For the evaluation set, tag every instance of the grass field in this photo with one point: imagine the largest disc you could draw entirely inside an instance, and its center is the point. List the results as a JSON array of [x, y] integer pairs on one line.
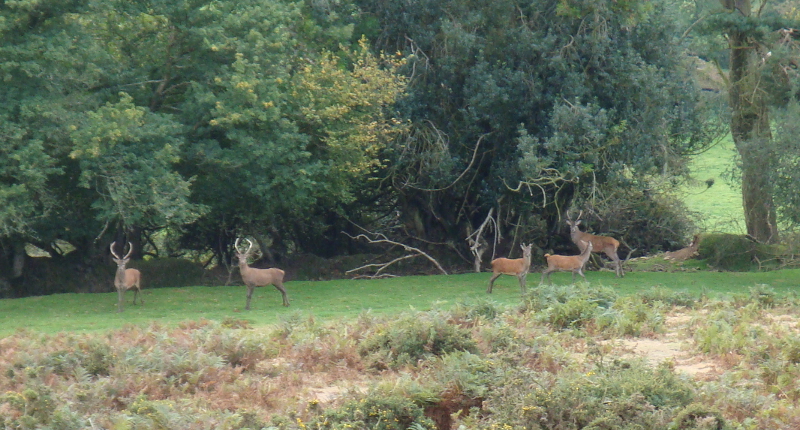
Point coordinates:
[[342, 299], [719, 206]]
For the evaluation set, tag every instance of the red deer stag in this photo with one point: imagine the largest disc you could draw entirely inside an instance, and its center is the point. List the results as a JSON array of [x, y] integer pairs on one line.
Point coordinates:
[[605, 244], [258, 277], [518, 267], [567, 263], [125, 279]]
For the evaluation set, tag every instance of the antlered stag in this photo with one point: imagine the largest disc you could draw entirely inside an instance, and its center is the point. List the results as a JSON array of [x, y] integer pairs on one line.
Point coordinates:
[[567, 263], [258, 277], [125, 279], [518, 267], [600, 244]]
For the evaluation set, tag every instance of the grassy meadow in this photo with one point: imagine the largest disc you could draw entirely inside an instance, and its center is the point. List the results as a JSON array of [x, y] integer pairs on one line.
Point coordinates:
[[342, 299], [676, 349], [719, 207]]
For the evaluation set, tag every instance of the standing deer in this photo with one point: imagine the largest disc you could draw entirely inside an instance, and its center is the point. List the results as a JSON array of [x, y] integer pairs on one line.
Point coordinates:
[[258, 277], [125, 279], [567, 263], [518, 267], [605, 244]]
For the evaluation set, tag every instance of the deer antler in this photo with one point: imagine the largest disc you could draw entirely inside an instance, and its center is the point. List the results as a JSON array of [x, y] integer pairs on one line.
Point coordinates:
[[130, 250], [236, 246]]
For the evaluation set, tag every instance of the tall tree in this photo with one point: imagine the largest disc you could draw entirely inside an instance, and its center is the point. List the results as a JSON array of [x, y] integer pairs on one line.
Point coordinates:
[[750, 122], [525, 106]]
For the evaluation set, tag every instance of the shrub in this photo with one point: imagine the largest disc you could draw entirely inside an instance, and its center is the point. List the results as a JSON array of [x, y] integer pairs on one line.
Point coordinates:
[[737, 252], [568, 306], [414, 337], [668, 297], [374, 412], [626, 396]]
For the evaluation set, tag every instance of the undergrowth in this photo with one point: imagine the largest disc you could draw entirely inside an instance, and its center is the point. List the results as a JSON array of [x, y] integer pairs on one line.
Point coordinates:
[[546, 363]]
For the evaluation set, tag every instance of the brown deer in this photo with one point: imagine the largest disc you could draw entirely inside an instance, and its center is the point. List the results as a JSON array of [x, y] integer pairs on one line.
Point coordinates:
[[125, 279], [605, 244], [518, 267], [684, 254], [258, 277], [567, 263]]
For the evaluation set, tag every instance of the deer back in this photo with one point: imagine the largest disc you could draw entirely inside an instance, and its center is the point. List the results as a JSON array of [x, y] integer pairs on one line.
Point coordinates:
[[599, 243], [261, 277]]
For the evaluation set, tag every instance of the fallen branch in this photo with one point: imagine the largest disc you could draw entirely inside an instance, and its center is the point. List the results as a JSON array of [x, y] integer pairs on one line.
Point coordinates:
[[381, 238]]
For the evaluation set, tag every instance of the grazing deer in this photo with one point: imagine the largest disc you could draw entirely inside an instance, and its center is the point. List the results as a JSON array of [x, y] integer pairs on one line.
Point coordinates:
[[518, 267], [684, 253], [567, 263], [258, 277], [125, 279], [605, 244]]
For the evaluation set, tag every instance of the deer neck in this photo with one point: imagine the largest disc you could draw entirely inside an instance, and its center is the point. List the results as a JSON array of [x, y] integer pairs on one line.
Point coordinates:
[[585, 254], [119, 278]]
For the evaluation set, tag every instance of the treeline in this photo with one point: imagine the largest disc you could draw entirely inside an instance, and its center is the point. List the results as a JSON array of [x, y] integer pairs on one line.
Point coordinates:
[[179, 126]]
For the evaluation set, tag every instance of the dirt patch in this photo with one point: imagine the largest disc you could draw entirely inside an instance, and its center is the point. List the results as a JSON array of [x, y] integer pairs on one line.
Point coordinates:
[[672, 347]]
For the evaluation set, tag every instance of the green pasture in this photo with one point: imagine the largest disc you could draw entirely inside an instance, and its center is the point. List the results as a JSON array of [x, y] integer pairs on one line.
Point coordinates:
[[342, 299], [719, 207]]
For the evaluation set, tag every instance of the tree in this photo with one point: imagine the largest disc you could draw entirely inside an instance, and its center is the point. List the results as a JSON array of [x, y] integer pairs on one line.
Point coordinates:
[[528, 107], [752, 31]]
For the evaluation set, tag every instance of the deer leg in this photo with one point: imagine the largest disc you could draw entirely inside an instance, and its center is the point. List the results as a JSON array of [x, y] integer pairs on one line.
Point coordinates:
[[120, 297], [135, 295], [546, 273], [491, 282], [139, 291], [612, 254], [522, 287], [250, 289], [280, 288]]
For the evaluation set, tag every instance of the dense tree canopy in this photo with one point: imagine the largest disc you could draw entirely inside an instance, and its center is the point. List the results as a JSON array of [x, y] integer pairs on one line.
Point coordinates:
[[181, 125]]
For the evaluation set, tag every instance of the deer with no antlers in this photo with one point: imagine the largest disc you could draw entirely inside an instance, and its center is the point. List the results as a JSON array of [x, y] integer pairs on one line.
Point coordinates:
[[684, 253], [258, 277], [605, 244], [567, 263], [518, 267], [125, 279]]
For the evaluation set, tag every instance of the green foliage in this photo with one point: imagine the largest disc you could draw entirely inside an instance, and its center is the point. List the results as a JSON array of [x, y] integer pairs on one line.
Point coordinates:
[[698, 416], [668, 297], [627, 396], [127, 154], [737, 252], [170, 272], [570, 306], [410, 338], [378, 412]]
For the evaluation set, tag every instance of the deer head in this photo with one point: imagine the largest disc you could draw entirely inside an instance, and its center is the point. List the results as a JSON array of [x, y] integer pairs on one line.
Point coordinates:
[[121, 261]]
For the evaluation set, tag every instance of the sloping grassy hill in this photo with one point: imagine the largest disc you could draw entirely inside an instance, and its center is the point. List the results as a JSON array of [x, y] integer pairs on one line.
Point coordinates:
[[720, 205]]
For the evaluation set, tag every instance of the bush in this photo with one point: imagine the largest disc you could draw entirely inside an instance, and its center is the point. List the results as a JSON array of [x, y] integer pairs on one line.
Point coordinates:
[[374, 412], [737, 253], [568, 306], [413, 337], [625, 396]]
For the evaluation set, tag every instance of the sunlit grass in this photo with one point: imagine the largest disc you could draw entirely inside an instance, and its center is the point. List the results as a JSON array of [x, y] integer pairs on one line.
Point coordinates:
[[340, 299], [720, 205]]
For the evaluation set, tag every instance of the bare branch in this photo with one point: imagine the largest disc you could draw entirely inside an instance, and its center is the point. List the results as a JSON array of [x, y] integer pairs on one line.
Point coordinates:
[[381, 238]]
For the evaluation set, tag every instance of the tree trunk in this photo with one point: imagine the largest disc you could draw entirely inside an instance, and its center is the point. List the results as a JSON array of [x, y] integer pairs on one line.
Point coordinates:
[[751, 132]]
